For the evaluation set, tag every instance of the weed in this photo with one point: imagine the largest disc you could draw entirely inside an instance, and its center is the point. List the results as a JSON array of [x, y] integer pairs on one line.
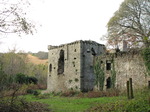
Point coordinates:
[[21, 105]]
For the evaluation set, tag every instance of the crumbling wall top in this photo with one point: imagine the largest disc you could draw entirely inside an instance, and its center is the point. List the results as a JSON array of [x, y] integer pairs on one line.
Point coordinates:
[[75, 42]]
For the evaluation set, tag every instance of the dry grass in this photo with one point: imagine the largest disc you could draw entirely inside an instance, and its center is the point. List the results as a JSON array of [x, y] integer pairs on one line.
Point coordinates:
[[36, 60]]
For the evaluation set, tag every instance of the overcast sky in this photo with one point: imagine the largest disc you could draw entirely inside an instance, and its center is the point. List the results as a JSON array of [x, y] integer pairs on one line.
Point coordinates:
[[63, 21]]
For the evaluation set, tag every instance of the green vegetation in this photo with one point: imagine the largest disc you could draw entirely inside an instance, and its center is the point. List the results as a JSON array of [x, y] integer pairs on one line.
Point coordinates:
[[141, 103], [24, 79], [17, 63], [146, 57], [113, 74], [13, 83], [86, 103], [99, 73], [76, 79], [21, 105], [72, 104]]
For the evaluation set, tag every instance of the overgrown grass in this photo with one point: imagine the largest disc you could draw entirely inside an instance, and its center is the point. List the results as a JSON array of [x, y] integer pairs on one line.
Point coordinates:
[[73, 104], [141, 103]]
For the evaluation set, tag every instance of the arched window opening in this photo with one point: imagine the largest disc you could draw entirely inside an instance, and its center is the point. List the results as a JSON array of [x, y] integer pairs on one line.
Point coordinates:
[[61, 62]]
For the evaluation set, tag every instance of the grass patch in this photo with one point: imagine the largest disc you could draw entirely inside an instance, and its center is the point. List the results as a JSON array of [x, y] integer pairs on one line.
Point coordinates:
[[141, 102], [72, 104]]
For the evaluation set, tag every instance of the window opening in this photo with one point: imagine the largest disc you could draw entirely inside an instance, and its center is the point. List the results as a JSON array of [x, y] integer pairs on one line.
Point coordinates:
[[108, 65], [88, 50], [50, 67], [61, 62], [93, 52], [108, 83]]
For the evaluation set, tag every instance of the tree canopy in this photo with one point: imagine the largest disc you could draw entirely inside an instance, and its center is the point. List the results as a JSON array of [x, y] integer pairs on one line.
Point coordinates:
[[131, 22], [13, 17]]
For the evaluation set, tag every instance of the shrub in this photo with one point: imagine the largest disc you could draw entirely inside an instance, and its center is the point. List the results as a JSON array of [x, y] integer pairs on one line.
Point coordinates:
[[95, 94], [30, 91], [32, 80], [69, 93], [24, 79], [21, 105], [21, 78], [139, 105], [34, 92]]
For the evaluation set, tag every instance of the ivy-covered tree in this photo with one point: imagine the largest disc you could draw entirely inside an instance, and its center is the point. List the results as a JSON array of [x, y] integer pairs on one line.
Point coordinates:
[[131, 22]]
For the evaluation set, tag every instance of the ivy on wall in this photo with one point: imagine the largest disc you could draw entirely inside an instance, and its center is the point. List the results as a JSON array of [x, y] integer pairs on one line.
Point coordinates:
[[113, 74], [146, 57], [99, 74]]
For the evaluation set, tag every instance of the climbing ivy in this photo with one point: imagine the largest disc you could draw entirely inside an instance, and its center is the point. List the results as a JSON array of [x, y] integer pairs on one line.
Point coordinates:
[[99, 74], [146, 57], [113, 74]]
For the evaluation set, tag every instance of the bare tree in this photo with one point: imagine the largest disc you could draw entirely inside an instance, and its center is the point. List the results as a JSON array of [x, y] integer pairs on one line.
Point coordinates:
[[13, 17]]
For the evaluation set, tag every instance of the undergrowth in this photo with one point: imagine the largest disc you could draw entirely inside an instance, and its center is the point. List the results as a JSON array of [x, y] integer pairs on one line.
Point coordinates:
[[141, 103], [21, 105]]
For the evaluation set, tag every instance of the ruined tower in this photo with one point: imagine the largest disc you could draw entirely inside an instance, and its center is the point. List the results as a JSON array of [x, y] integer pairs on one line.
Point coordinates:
[[71, 66]]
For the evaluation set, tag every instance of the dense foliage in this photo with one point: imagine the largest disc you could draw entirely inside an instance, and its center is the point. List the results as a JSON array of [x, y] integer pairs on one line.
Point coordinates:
[[131, 23], [24, 79]]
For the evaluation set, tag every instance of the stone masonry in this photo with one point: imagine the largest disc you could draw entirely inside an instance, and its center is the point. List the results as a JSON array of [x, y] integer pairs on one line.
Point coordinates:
[[126, 65], [71, 66]]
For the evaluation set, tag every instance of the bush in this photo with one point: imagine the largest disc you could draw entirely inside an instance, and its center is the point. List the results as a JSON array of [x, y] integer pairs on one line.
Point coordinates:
[[30, 91], [34, 92], [21, 78], [21, 105], [140, 105], [95, 94], [32, 80], [24, 79], [69, 93]]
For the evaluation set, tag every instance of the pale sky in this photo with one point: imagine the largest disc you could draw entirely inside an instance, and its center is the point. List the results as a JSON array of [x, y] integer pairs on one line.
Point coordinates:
[[63, 21]]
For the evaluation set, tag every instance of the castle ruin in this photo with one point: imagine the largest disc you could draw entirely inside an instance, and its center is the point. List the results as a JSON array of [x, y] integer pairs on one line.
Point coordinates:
[[71, 66]]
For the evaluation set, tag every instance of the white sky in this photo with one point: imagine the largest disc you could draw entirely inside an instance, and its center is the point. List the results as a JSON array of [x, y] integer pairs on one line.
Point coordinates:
[[63, 21]]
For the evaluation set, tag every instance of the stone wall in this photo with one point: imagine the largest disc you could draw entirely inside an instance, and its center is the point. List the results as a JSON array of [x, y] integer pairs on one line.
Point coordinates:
[[71, 66], [70, 78], [126, 65], [89, 51], [130, 65]]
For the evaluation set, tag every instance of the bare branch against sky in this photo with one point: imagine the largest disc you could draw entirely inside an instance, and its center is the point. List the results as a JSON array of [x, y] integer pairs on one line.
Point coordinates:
[[63, 21]]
